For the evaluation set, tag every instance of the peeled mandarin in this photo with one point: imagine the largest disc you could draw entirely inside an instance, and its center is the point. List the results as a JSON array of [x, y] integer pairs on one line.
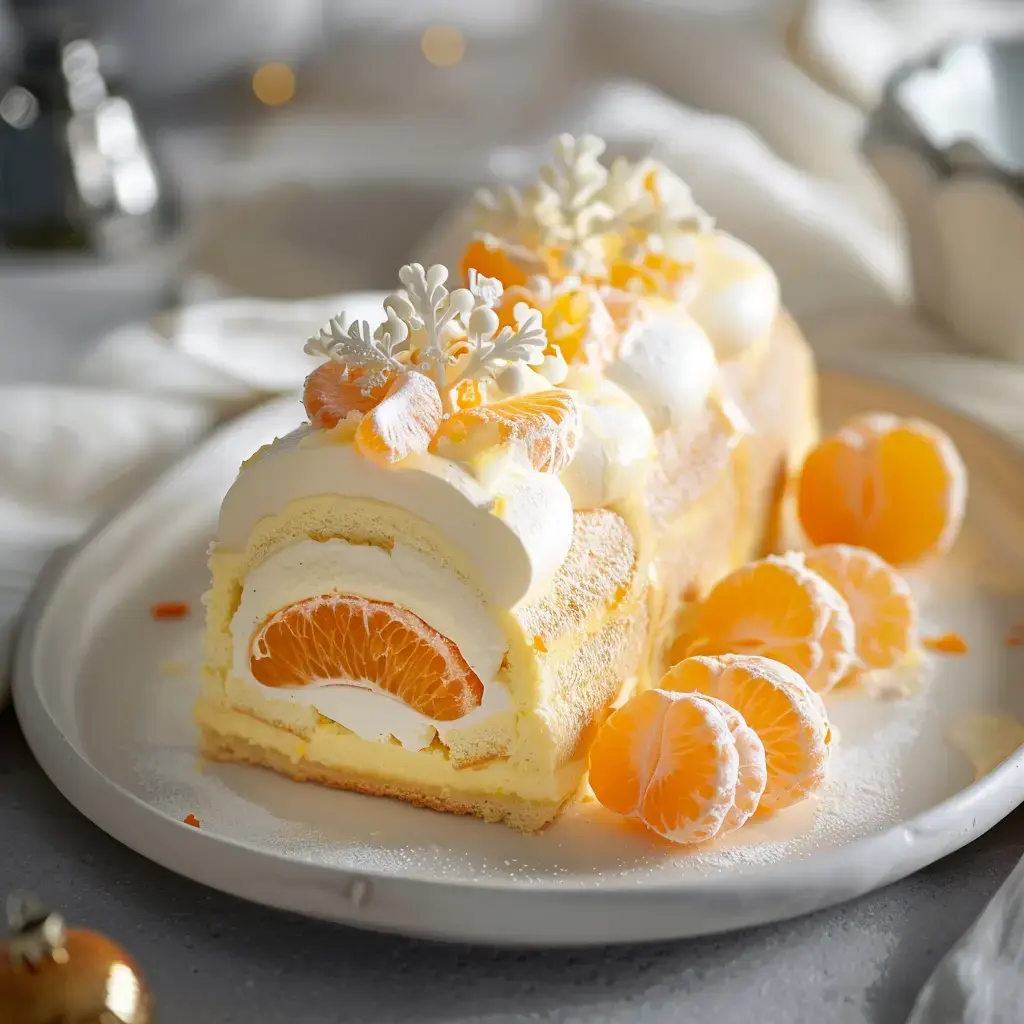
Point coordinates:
[[346, 638], [788, 717], [779, 609], [404, 422], [492, 261], [331, 393], [753, 768], [895, 486], [882, 605], [545, 423], [670, 761]]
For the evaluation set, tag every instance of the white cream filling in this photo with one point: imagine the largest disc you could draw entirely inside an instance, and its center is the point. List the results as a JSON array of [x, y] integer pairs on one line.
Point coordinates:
[[401, 576], [738, 297], [667, 365], [617, 448], [517, 544]]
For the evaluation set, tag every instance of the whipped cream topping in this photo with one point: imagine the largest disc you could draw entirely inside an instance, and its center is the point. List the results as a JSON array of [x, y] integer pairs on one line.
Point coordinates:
[[515, 526], [666, 363], [738, 296], [401, 576], [617, 448]]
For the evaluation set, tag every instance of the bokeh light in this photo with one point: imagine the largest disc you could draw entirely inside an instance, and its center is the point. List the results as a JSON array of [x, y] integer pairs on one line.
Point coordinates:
[[274, 84], [443, 45]]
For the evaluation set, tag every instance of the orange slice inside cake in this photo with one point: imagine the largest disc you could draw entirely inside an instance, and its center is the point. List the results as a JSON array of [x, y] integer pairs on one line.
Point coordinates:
[[895, 486], [545, 423], [778, 609], [340, 637], [788, 717], [670, 761], [883, 607]]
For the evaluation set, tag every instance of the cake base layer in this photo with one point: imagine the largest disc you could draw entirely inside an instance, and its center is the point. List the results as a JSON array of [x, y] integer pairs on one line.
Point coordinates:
[[220, 743]]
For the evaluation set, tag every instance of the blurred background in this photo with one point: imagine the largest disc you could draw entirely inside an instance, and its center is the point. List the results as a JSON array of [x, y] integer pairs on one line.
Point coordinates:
[[176, 174], [307, 148]]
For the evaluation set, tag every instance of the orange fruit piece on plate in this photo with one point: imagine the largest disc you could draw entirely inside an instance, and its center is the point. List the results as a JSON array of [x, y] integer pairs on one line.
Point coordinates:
[[546, 423], [670, 761], [892, 485], [330, 394], [779, 609], [883, 608], [341, 638], [403, 423], [753, 768], [787, 715]]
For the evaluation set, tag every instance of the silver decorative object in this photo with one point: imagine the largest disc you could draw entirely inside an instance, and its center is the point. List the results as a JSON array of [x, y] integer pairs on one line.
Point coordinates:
[[948, 140], [76, 173]]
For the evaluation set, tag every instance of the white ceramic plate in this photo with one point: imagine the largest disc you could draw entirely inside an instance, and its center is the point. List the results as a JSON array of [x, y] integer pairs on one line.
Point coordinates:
[[104, 695]]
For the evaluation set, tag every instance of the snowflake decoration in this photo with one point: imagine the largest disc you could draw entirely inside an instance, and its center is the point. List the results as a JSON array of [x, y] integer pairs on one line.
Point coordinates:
[[578, 202], [451, 336], [353, 345]]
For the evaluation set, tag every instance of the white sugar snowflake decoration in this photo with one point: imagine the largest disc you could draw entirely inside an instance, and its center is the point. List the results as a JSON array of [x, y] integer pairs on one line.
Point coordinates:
[[577, 203], [373, 354], [452, 336]]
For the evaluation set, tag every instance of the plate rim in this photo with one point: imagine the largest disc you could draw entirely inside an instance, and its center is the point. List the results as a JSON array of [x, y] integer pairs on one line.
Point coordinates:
[[901, 849]]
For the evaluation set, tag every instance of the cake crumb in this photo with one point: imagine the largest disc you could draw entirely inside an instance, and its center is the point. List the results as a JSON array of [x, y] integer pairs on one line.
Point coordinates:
[[191, 819], [170, 610], [947, 643]]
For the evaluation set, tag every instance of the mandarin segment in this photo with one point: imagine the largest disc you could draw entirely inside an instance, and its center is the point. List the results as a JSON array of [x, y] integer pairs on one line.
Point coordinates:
[[788, 717], [895, 486], [778, 609], [546, 423], [492, 260], [331, 392], [653, 274], [342, 638], [670, 761], [881, 602], [403, 423], [753, 767]]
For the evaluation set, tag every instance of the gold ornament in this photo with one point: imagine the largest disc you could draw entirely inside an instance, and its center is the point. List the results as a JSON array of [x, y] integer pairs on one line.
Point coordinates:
[[52, 975]]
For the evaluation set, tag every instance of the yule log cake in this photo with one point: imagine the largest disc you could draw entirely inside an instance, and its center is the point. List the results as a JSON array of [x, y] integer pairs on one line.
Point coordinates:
[[506, 491]]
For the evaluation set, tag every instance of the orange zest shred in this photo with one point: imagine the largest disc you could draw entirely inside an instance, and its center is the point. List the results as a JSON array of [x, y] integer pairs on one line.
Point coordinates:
[[168, 610], [946, 643]]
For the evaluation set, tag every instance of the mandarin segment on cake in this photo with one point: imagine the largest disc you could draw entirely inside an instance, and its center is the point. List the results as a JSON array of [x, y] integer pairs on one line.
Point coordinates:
[[506, 493]]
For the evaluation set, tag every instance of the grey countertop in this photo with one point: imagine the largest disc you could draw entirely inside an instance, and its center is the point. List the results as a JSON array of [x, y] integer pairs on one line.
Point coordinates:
[[214, 958]]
